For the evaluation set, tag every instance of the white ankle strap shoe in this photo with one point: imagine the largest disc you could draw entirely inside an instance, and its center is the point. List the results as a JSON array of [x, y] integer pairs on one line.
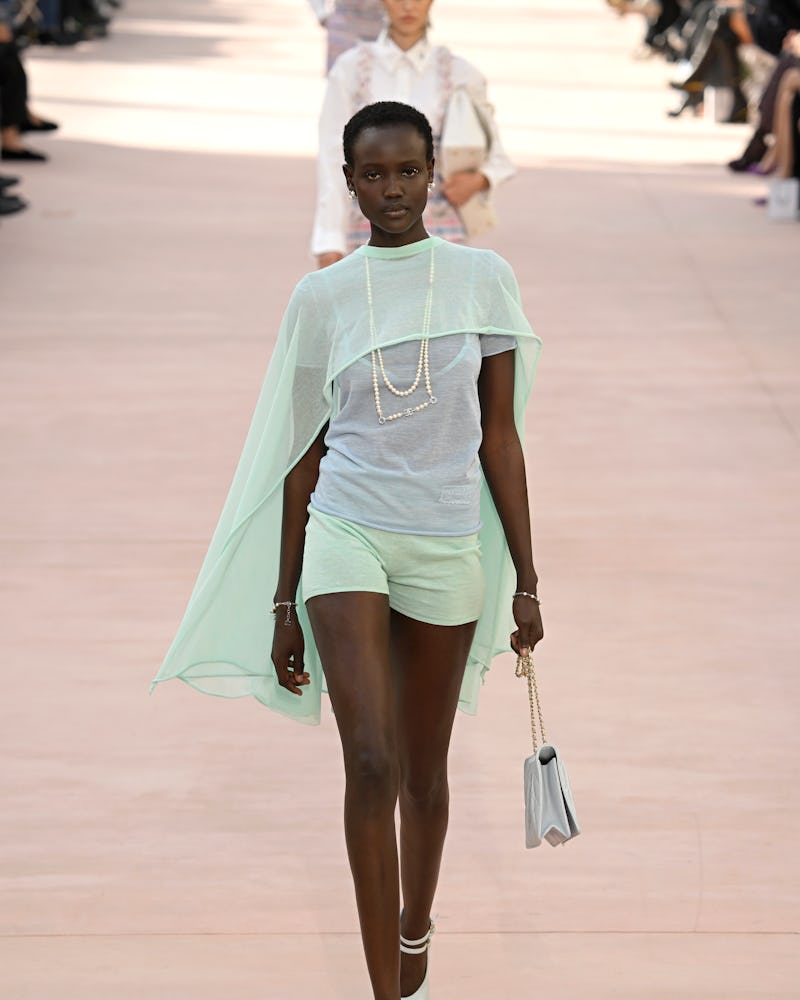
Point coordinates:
[[418, 947]]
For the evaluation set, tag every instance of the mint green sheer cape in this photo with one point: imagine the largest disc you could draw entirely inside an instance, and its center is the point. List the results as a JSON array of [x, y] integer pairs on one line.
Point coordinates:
[[223, 644]]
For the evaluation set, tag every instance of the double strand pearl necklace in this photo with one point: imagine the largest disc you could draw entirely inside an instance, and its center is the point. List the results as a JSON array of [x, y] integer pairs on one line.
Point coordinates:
[[423, 363]]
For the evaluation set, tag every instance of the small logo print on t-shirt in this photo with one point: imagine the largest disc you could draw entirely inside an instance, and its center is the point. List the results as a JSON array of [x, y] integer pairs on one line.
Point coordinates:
[[456, 494]]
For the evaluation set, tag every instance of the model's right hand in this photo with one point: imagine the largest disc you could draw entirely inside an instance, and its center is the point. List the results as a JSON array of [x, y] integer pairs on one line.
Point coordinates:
[[326, 259], [529, 629], [288, 647]]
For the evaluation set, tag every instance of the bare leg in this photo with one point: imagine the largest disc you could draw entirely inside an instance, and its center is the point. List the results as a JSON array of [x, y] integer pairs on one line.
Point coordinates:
[[740, 27], [768, 160], [429, 665], [395, 717], [11, 138], [351, 631]]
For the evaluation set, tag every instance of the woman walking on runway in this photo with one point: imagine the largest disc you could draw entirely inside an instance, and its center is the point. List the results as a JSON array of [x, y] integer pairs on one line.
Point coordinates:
[[382, 495]]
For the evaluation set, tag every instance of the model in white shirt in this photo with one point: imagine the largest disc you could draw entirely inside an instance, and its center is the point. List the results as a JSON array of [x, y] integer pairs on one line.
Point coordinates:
[[402, 65]]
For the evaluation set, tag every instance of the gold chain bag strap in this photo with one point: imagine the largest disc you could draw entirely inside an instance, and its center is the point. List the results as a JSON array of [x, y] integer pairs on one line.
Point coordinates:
[[549, 805]]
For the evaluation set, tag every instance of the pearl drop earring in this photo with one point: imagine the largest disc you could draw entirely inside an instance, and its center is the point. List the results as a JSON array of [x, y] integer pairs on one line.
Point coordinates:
[[431, 185], [352, 194]]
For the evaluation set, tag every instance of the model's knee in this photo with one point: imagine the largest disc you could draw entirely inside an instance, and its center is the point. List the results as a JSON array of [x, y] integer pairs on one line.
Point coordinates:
[[425, 790], [372, 774]]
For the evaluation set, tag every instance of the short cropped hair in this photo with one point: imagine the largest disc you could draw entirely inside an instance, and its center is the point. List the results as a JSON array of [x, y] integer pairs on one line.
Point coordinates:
[[385, 113]]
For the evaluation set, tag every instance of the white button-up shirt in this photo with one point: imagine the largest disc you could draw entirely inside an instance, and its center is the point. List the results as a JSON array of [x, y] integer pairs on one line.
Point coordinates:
[[412, 77]]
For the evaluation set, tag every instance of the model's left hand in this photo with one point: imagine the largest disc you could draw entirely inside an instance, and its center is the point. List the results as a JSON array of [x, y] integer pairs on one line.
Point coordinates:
[[459, 188], [529, 631]]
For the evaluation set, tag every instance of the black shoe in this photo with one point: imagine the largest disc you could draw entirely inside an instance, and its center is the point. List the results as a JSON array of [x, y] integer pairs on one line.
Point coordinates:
[[754, 152], [9, 204], [691, 100], [23, 154], [7, 182], [60, 37], [41, 126]]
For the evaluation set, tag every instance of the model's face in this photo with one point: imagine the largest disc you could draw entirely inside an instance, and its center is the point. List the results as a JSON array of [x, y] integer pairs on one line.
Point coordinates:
[[390, 175], [407, 17]]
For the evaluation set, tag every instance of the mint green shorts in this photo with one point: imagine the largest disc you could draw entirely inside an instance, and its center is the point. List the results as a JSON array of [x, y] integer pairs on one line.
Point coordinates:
[[432, 578]]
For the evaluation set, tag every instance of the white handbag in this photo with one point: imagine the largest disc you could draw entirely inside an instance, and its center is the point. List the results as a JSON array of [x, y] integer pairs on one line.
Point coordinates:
[[784, 199], [464, 146], [549, 804]]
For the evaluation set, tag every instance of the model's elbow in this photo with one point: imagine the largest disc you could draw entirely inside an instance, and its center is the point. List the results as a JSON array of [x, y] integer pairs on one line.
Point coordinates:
[[498, 441]]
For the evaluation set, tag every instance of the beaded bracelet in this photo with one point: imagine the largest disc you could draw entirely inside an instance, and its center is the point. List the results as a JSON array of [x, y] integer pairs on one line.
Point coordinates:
[[284, 604], [524, 593]]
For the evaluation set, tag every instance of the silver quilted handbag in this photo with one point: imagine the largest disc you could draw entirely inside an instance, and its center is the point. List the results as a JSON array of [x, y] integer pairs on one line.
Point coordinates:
[[549, 805]]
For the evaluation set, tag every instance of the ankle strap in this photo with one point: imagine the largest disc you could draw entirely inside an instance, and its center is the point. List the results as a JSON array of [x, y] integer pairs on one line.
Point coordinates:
[[420, 945]]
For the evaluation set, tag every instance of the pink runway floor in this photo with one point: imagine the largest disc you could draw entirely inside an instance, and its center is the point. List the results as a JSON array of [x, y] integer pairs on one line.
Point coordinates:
[[177, 847]]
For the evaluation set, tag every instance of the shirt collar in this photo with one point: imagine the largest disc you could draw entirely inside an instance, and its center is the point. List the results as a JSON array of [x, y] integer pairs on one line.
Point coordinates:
[[393, 57]]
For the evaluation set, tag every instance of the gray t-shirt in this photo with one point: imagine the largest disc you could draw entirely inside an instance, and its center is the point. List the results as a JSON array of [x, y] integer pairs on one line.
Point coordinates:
[[419, 474]]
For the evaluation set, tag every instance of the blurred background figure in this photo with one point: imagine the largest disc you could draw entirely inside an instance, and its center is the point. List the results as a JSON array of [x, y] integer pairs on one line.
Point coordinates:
[[757, 148], [727, 45], [737, 61], [659, 16], [10, 203], [347, 23], [402, 65], [14, 114], [24, 23], [84, 19], [783, 157], [62, 22]]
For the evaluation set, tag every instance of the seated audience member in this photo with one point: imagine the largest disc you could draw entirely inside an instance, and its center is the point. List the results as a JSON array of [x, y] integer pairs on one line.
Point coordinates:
[[783, 158], [61, 22], [15, 115], [707, 36], [711, 58], [30, 22], [711, 36], [757, 147]]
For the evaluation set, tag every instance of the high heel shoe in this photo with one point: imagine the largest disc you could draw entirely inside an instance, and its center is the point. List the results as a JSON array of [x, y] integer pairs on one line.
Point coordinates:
[[419, 947], [692, 100], [754, 153]]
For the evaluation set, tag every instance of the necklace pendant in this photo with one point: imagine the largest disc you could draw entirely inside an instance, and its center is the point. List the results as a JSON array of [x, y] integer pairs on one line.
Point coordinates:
[[381, 420], [408, 412], [433, 399]]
